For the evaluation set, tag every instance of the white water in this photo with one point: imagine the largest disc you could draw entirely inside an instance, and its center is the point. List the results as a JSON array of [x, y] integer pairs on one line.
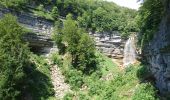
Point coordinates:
[[129, 52]]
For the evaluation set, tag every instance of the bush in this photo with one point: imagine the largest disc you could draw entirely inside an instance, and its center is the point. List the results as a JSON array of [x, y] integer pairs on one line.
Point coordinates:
[[143, 72], [96, 88], [145, 92], [68, 96], [74, 78], [56, 59], [38, 80], [13, 58]]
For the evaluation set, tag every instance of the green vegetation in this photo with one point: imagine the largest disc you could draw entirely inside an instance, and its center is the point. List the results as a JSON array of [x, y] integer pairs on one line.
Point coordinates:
[[145, 92], [13, 3], [107, 82], [22, 74], [149, 18], [92, 15], [13, 58], [78, 44], [91, 75], [38, 78]]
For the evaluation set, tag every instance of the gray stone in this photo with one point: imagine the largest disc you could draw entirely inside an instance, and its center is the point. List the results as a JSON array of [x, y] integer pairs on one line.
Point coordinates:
[[110, 45], [41, 29], [159, 58]]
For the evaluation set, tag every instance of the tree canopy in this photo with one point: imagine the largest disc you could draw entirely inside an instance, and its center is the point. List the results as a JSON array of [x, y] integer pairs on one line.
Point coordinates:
[[148, 19], [13, 58], [92, 15]]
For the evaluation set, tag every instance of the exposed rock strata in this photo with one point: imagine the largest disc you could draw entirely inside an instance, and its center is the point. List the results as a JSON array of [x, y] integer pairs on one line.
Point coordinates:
[[41, 29], [158, 53], [110, 45]]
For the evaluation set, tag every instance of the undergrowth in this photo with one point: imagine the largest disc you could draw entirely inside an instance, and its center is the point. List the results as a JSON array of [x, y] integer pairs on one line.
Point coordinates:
[[120, 85], [39, 85]]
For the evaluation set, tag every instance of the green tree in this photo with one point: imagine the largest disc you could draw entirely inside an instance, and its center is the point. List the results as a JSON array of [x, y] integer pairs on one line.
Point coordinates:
[[58, 36], [71, 36], [54, 12], [80, 45], [13, 58], [148, 20], [86, 52]]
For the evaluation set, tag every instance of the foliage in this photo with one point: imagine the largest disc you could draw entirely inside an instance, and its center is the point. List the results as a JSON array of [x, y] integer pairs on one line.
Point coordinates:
[[57, 36], [74, 78], [86, 51], [71, 35], [54, 13], [92, 15], [38, 80], [13, 58], [149, 18], [145, 92], [21, 73], [13, 3], [79, 45], [56, 59], [121, 87], [40, 11], [68, 96]]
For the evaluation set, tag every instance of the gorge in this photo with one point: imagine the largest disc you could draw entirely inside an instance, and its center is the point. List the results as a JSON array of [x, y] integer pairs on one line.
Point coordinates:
[[84, 50]]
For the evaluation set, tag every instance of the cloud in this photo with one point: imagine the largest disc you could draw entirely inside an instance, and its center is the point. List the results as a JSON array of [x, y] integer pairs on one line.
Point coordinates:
[[127, 3]]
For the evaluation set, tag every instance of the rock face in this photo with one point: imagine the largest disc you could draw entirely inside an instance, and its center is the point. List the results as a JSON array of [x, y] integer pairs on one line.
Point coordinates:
[[41, 29], [110, 45], [158, 53], [40, 44]]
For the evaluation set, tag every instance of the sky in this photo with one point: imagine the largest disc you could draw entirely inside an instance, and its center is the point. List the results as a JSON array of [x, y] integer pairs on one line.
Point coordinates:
[[127, 3]]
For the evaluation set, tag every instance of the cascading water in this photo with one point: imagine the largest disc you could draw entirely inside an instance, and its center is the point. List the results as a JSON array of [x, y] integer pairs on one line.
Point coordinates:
[[129, 52]]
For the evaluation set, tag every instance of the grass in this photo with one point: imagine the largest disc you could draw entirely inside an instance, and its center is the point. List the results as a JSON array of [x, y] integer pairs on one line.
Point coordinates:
[[107, 65], [122, 85], [42, 14]]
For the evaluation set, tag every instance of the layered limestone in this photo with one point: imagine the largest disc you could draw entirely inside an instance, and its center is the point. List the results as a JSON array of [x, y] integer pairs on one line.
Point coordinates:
[[158, 52], [39, 29], [111, 45]]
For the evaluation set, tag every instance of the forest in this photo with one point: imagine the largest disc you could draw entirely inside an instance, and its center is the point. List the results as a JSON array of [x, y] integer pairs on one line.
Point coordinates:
[[88, 73]]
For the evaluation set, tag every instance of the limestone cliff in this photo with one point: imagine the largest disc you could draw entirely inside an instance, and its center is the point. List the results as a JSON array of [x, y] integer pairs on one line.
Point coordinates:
[[40, 30], [111, 45], [158, 52]]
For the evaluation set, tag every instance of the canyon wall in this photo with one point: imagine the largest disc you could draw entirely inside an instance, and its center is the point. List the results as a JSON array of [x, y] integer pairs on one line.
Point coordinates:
[[158, 52], [41, 29], [39, 37], [111, 45]]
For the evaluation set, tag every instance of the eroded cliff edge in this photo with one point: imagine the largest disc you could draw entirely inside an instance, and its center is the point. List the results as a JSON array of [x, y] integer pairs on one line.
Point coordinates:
[[157, 52]]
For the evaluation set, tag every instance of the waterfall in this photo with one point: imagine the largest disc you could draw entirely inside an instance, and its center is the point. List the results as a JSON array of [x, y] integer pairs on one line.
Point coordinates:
[[129, 52]]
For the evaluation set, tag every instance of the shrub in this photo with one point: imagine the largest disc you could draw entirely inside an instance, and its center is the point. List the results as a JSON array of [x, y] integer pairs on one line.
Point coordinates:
[[13, 58], [68, 96], [145, 91], [74, 78], [56, 59], [96, 88]]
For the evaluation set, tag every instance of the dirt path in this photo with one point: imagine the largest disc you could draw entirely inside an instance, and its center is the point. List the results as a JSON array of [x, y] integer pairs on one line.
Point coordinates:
[[60, 87]]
